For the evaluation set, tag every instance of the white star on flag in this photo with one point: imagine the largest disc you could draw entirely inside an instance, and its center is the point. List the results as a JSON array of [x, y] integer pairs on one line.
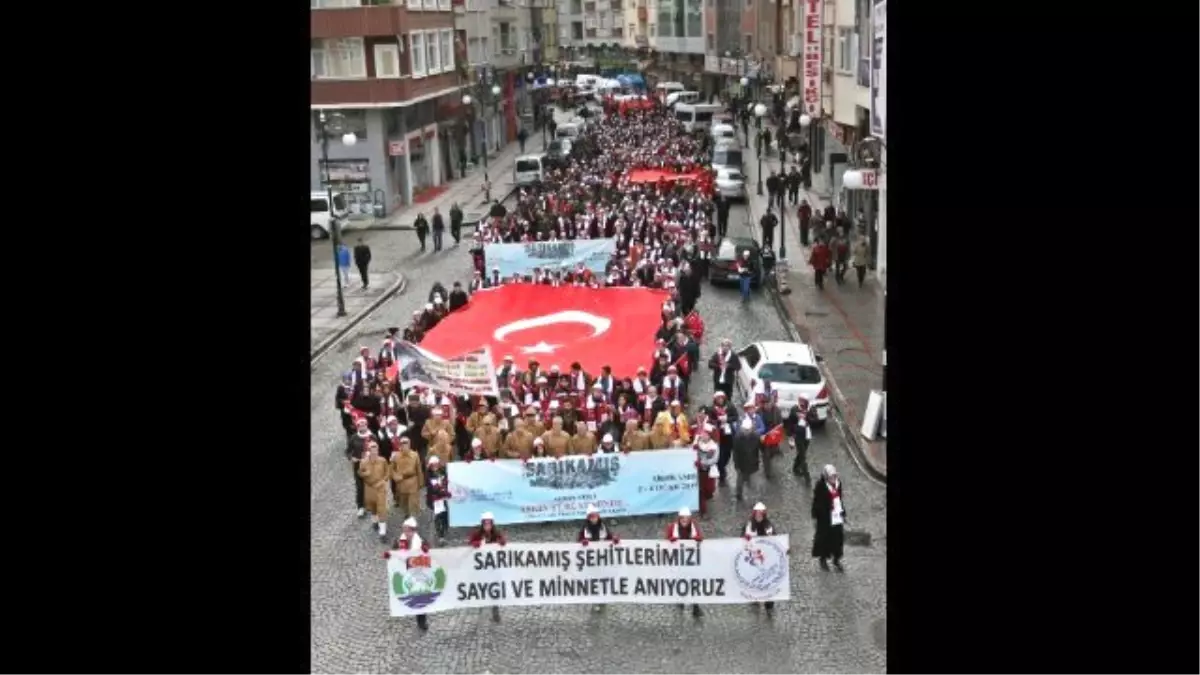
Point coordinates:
[[539, 348]]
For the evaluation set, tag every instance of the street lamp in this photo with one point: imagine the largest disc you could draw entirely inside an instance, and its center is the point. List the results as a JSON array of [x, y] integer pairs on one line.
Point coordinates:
[[496, 111], [335, 237], [759, 111]]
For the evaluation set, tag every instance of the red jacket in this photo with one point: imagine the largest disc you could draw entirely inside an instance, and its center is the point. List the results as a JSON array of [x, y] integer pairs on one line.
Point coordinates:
[[819, 258]]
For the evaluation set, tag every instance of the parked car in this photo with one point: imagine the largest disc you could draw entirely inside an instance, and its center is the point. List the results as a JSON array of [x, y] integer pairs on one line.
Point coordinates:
[[723, 268], [558, 150], [731, 183], [321, 217], [727, 155], [792, 369]]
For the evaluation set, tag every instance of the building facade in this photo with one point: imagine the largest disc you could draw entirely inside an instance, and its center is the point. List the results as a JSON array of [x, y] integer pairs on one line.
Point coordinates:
[[388, 73], [591, 23]]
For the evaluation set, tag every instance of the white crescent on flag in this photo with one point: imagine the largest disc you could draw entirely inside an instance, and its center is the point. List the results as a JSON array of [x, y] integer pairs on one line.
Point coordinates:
[[599, 324]]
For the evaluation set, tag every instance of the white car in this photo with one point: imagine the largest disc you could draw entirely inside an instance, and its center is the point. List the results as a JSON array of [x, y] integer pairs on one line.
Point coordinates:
[[792, 370], [731, 183], [321, 217], [725, 132]]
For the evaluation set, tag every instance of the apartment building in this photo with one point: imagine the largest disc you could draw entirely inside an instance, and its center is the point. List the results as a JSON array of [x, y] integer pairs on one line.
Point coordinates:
[[637, 24], [386, 71], [677, 34], [592, 23]]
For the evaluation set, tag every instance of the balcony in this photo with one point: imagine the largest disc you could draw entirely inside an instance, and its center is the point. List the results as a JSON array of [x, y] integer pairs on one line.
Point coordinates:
[[375, 90], [376, 21]]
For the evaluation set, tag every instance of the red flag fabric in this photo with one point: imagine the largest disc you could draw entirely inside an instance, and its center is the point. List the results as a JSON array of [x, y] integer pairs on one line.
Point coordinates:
[[695, 324], [774, 436], [595, 326], [682, 365]]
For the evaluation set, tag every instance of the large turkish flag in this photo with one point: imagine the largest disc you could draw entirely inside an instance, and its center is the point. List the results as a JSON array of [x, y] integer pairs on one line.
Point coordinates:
[[594, 326]]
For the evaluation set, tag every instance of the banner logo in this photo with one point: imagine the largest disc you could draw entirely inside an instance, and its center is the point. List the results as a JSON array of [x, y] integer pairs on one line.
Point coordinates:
[[420, 584], [761, 568]]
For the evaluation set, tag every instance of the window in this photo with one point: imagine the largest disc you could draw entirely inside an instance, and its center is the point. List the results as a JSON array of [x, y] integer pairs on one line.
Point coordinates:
[[653, 30], [317, 61], [318, 206], [749, 46], [483, 50], [710, 43], [495, 41], [342, 121], [727, 157], [341, 59], [387, 61], [445, 6], [334, 4], [750, 355], [431, 5], [433, 53], [416, 53], [845, 62], [695, 19], [448, 49], [414, 4], [789, 373], [525, 165]]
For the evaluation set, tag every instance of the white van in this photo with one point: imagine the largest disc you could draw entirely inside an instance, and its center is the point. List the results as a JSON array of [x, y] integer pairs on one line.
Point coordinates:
[[570, 131], [528, 169], [696, 115], [682, 97], [663, 89], [319, 208], [585, 81]]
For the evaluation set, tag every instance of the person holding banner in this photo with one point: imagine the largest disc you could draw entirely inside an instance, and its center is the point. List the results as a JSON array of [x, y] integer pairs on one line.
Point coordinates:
[[437, 496], [707, 451], [759, 526], [594, 530], [685, 529], [487, 533], [409, 542]]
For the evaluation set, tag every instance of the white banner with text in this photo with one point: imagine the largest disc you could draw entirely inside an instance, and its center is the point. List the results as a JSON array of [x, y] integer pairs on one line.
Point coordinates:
[[715, 571]]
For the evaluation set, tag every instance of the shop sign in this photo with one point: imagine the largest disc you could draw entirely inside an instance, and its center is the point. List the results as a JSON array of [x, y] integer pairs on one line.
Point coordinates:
[[397, 148], [811, 72]]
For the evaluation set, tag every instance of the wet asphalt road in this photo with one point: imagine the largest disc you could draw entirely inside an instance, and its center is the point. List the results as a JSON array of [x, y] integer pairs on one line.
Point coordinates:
[[834, 622]]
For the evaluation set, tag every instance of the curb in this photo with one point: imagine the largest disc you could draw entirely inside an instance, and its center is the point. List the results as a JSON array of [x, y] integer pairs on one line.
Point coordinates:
[[783, 307], [324, 345]]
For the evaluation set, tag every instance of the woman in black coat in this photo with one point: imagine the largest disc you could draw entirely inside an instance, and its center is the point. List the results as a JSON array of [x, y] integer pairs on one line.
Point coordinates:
[[828, 509]]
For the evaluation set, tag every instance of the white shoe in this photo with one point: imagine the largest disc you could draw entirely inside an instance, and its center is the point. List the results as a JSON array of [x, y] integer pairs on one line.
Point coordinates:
[[362, 512]]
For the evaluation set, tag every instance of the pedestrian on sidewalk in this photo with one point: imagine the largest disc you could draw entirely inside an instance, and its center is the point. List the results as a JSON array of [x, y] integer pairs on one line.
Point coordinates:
[[793, 185], [819, 259], [766, 140], [421, 225], [456, 220], [362, 260], [768, 223], [723, 205], [343, 262], [439, 229], [804, 215], [522, 136], [862, 256], [841, 258], [774, 185]]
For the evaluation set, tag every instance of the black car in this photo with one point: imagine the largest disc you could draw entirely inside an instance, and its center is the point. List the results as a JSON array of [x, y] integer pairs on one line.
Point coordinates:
[[723, 267]]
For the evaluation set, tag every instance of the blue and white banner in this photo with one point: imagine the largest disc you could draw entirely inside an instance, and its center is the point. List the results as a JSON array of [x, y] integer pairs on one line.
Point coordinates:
[[543, 490], [549, 255]]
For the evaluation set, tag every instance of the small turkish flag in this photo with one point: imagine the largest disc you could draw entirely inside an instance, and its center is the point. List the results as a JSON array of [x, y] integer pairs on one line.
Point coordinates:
[[595, 326]]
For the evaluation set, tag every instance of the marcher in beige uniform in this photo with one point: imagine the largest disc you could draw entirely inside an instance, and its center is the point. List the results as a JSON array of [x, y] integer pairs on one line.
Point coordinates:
[[634, 439], [437, 421], [532, 423], [441, 447], [490, 435], [476, 417], [583, 442], [660, 434], [407, 479], [374, 471], [558, 442], [519, 443]]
